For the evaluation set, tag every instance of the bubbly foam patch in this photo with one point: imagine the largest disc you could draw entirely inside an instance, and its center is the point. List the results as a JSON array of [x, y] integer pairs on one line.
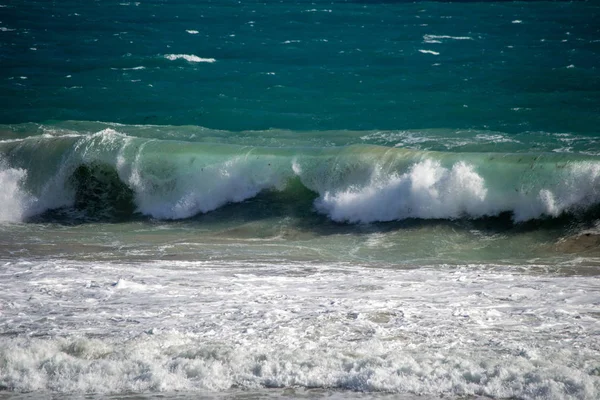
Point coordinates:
[[186, 362], [216, 325]]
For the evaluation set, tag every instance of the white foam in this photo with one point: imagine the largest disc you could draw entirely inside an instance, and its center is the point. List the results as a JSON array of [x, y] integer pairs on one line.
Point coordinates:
[[189, 57], [435, 53], [123, 284], [15, 203], [430, 191], [576, 188], [427, 190], [202, 187], [517, 21], [192, 32], [215, 325]]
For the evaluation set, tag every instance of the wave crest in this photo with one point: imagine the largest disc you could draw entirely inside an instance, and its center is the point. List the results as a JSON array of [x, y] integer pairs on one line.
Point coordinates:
[[427, 190], [360, 184]]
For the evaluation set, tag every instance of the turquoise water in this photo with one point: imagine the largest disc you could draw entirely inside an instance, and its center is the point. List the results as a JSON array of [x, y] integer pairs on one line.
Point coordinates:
[[309, 199], [502, 66]]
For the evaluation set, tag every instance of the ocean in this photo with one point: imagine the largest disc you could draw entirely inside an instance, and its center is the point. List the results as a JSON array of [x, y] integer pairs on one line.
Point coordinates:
[[299, 199]]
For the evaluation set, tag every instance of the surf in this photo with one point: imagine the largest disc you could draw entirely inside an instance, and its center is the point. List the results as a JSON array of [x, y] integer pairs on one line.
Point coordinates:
[[112, 173]]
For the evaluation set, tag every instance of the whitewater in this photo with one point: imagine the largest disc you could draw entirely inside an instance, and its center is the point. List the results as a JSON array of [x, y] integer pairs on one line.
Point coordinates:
[[303, 325]]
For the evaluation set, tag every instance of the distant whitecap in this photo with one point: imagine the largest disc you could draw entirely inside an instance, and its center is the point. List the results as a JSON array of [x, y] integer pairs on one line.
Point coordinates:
[[438, 38], [435, 53], [189, 57], [192, 32]]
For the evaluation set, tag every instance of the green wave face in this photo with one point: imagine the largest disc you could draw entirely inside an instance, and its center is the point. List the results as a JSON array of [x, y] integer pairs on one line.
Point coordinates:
[[112, 173]]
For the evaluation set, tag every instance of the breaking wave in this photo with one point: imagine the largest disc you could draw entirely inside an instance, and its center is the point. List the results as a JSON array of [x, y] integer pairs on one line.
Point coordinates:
[[109, 173]]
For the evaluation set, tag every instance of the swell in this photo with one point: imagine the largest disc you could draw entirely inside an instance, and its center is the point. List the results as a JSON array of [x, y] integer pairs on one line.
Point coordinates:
[[109, 174]]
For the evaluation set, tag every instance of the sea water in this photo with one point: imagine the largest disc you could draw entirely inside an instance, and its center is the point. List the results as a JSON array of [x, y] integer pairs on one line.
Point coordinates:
[[341, 199]]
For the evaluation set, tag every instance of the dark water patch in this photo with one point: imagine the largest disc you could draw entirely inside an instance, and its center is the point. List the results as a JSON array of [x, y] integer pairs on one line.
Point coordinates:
[[99, 196], [100, 193]]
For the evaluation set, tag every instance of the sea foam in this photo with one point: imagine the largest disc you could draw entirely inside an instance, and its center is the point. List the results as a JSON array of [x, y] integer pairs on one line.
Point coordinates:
[[217, 325]]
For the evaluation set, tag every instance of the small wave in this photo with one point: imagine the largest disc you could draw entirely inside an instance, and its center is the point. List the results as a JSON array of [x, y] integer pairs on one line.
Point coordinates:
[[192, 32], [435, 53], [138, 68], [438, 38], [189, 57]]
